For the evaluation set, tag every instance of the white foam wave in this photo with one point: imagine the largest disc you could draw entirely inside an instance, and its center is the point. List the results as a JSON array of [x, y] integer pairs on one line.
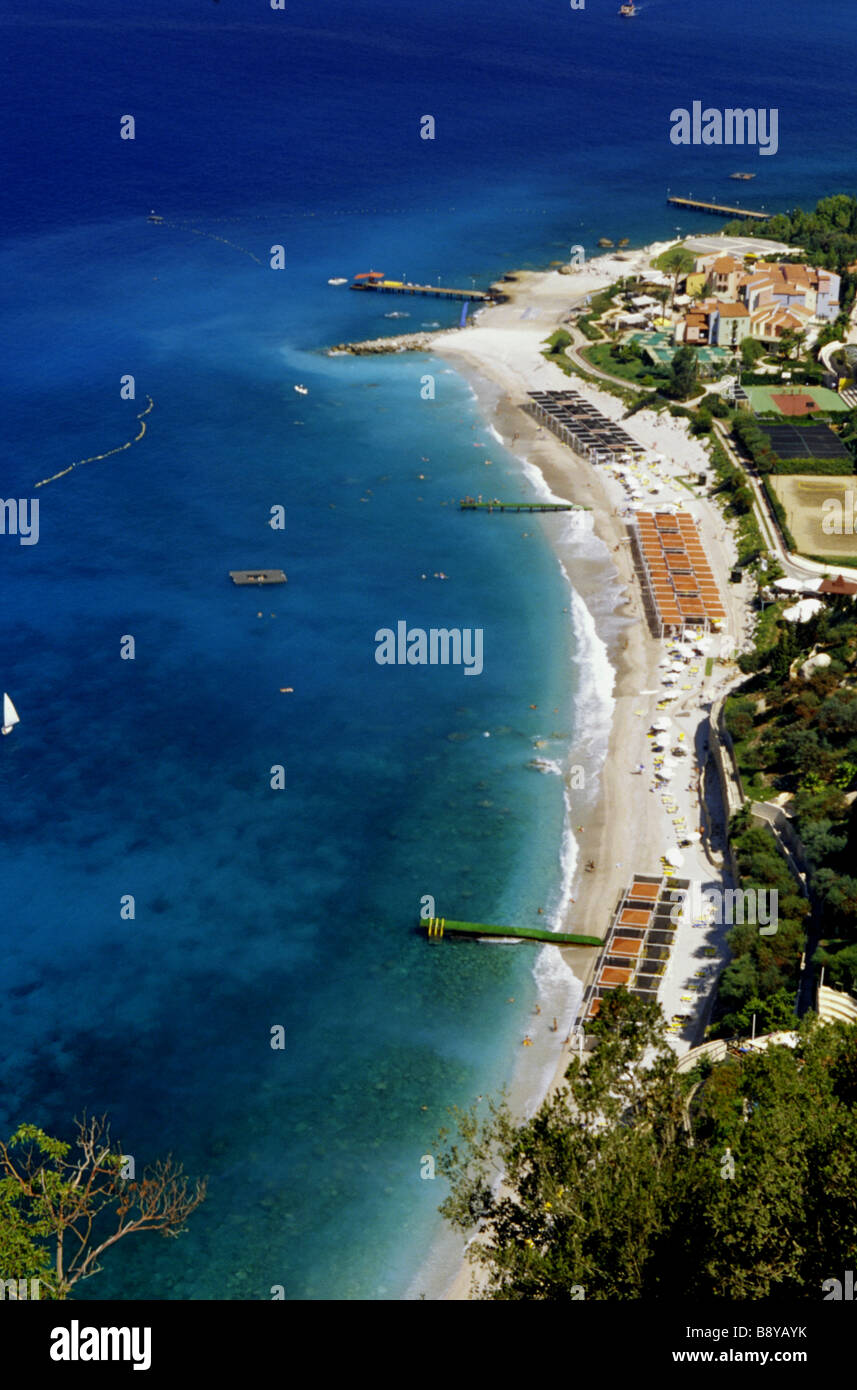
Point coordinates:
[[546, 765], [536, 478], [594, 702], [556, 982]]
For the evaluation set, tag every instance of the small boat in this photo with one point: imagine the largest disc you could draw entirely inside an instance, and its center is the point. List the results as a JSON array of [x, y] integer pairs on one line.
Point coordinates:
[[742, 176], [154, 217], [10, 715], [339, 280], [628, 11], [625, 241], [302, 390], [604, 241]]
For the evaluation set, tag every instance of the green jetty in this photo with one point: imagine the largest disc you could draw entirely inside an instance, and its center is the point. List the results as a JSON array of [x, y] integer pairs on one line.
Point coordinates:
[[442, 926]]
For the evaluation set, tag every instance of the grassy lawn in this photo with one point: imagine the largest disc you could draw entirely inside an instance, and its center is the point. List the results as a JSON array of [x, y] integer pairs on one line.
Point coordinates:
[[572, 369], [755, 787], [599, 355], [766, 630], [658, 264]]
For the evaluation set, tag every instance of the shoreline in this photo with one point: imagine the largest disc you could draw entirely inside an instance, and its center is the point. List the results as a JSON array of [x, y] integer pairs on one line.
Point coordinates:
[[502, 350]]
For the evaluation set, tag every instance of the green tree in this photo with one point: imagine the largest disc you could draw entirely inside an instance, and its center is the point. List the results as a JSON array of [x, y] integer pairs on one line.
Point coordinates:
[[771, 1014], [637, 1181], [751, 351], [576, 1160], [63, 1205], [685, 373]]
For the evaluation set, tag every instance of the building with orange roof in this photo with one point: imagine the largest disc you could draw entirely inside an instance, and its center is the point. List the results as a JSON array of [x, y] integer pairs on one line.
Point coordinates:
[[723, 276], [731, 323]]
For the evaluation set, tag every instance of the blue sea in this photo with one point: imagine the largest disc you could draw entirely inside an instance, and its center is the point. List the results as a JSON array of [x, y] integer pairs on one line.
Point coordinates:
[[151, 778]]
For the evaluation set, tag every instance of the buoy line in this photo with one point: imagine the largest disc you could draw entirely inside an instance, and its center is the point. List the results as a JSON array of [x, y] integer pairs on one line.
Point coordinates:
[[183, 227], [96, 457]]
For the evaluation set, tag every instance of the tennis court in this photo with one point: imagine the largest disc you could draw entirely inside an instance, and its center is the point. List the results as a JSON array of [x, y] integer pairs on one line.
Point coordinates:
[[794, 400], [804, 441]]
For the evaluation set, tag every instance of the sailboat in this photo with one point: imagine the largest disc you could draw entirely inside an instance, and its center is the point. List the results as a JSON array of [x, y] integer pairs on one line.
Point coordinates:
[[10, 715]]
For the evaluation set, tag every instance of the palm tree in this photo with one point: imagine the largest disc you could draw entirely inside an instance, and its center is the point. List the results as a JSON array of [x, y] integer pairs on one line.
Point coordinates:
[[677, 262], [662, 293]]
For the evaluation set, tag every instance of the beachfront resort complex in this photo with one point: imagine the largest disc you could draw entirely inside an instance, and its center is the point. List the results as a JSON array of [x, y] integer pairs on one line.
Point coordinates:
[[698, 397]]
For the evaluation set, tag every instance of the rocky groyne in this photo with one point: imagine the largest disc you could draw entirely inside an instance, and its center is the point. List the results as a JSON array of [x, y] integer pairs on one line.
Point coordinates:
[[402, 342]]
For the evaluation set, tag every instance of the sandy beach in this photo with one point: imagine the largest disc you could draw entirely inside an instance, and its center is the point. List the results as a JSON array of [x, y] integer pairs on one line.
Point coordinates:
[[630, 820]]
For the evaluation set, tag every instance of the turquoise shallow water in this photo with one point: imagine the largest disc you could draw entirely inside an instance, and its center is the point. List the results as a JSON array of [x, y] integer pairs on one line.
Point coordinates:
[[298, 908], [254, 907]]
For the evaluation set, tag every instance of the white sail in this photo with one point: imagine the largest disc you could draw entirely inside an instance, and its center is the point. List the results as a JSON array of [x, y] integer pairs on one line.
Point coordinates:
[[10, 714]]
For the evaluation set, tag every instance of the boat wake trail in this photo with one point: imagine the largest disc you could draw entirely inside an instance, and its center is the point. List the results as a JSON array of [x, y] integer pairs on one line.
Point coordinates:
[[95, 457]]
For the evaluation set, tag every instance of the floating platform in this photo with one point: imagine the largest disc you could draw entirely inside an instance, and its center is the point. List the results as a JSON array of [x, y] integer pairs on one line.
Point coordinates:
[[257, 576], [719, 209], [468, 505], [442, 926]]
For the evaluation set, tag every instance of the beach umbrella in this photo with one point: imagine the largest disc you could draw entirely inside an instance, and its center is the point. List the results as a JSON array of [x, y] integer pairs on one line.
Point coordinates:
[[680, 748], [675, 857], [663, 723]]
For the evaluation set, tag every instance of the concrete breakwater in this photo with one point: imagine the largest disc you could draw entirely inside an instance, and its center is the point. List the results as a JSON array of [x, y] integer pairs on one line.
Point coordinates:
[[402, 342]]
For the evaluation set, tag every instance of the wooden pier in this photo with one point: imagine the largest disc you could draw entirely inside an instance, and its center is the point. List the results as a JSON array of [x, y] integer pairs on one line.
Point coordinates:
[[469, 505], [374, 282], [257, 576], [438, 927], [719, 209]]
